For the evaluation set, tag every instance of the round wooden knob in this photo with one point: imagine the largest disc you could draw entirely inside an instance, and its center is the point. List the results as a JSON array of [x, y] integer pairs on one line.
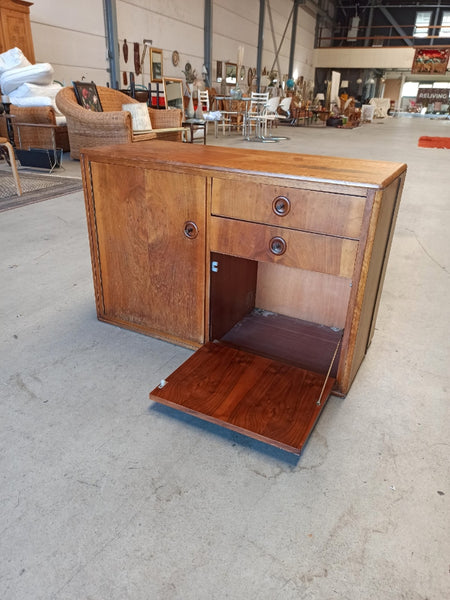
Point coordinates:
[[190, 230], [277, 246], [281, 206]]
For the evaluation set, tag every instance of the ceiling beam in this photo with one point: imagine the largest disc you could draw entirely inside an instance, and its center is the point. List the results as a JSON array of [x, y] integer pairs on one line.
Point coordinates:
[[395, 25]]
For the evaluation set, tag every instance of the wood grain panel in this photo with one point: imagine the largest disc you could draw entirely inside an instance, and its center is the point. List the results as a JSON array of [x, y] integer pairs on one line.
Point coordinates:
[[261, 398], [326, 254], [307, 295], [376, 271], [232, 292], [293, 341], [152, 275], [324, 171], [320, 212], [16, 28]]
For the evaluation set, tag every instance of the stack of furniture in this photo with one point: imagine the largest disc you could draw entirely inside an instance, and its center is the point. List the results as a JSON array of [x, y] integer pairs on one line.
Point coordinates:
[[113, 126]]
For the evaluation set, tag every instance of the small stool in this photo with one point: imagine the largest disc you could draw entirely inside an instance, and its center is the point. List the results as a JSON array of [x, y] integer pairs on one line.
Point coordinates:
[[7, 151]]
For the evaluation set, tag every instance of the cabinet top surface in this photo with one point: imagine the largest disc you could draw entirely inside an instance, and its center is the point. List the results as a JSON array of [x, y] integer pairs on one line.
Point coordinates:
[[367, 173]]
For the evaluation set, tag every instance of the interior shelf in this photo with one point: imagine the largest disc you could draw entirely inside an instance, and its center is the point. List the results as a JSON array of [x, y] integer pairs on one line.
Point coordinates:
[[294, 341]]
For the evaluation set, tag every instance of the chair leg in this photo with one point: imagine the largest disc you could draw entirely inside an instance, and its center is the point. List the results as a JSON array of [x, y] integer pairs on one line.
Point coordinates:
[[12, 159]]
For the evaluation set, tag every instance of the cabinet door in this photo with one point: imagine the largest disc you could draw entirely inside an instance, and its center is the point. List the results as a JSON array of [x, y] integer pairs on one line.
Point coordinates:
[[150, 230], [16, 30]]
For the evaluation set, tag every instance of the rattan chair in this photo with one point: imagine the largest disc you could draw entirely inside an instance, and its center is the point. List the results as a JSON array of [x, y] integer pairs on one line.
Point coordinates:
[[36, 127], [113, 125]]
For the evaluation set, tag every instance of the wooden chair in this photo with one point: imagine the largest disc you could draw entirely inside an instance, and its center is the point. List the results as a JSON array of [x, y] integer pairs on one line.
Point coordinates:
[[6, 150], [113, 126]]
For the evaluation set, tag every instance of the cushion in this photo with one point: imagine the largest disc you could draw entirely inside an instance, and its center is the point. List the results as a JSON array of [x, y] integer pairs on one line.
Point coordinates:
[[12, 59], [33, 101], [36, 101], [34, 90], [139, 116], [41, 73]]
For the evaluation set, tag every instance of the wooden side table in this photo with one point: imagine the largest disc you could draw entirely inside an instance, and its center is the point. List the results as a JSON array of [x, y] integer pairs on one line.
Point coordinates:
[[194, 125]]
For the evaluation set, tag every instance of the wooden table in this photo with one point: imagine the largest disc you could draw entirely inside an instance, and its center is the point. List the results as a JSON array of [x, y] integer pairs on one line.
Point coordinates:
[[271, 264]]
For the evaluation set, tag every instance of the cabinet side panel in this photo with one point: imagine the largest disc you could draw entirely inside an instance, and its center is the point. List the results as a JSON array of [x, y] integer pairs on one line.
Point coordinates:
[[377, 255], [92, 232]]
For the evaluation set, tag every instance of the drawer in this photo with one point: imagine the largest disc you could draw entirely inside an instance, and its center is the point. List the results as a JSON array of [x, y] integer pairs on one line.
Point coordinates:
[[310, 251], [308, 210]]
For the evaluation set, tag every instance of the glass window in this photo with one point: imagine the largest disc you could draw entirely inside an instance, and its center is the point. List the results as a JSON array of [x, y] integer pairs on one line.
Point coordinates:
[[422, 24], [444, 31], [410, 88]]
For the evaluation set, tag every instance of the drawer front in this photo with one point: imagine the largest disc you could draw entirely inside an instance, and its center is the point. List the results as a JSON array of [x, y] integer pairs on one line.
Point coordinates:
[[310, 251], [321, 212]]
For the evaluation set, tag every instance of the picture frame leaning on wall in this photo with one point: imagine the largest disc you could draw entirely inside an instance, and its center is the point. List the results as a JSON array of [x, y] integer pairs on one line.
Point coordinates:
[[156, 65]]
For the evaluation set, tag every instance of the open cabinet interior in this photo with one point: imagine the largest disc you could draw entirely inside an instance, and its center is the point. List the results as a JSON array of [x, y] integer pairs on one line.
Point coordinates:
[[264, 373], [252, 313]]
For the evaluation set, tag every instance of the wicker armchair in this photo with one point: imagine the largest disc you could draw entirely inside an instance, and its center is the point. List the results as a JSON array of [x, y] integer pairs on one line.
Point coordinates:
[[113, 125], [34, 127]]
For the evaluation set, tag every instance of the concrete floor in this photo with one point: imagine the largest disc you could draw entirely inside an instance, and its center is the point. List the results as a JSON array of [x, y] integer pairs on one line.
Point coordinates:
[[105, 496]]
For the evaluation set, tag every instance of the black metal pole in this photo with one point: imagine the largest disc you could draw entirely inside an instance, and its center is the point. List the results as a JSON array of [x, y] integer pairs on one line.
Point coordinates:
[[207, 40], [109, 7], [262, 9], [293, 40]]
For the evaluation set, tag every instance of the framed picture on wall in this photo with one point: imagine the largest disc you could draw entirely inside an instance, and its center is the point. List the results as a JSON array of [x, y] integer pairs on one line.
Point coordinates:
[[230, 72], [156, 65]]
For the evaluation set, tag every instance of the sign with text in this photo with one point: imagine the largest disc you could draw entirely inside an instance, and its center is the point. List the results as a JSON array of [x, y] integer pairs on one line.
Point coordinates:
[[426, 95]]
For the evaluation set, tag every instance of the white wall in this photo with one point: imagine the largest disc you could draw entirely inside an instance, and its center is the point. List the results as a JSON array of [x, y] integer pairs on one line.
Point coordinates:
[[70, 34], [235, 23], [364, 58], [170, 24]]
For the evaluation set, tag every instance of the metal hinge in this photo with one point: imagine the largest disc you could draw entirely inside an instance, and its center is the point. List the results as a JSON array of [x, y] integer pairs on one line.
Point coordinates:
[[214, 266]]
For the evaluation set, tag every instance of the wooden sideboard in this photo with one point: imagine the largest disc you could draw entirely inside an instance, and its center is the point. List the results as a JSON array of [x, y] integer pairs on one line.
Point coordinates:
[[270, 264], [15, 28]]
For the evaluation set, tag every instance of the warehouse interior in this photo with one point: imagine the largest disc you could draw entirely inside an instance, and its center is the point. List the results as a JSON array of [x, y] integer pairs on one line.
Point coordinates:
[[108, 495]]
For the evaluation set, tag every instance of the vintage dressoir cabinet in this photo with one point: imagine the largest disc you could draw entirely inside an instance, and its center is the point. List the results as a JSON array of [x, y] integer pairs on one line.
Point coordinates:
[[270, 264]]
